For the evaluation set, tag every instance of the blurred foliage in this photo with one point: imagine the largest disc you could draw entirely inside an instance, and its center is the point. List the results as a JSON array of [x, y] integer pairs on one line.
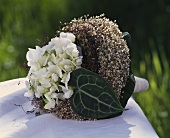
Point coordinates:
[[24, 24]]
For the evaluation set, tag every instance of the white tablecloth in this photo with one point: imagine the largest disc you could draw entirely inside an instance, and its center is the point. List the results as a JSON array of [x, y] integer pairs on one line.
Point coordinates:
[[15, 123]]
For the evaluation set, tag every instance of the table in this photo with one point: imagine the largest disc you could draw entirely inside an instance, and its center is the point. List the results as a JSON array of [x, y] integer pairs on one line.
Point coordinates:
[[16, 123]]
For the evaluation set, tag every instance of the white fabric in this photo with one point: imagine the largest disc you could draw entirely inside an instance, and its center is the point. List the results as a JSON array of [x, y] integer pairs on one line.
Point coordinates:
[[141, 84], [15, 123]]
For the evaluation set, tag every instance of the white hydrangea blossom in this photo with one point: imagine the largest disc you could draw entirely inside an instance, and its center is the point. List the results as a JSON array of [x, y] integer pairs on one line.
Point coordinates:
[[50, 68]]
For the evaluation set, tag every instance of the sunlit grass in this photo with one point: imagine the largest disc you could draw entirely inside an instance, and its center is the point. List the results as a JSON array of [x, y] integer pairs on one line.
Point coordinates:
[[16, 72], [10, 66], [154, 102]]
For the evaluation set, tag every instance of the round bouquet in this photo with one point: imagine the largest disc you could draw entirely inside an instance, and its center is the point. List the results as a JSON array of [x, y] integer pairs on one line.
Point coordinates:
[[82, 73]]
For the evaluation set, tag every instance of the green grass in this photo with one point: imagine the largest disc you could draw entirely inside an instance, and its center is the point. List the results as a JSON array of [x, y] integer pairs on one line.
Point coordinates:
[[155, 102]]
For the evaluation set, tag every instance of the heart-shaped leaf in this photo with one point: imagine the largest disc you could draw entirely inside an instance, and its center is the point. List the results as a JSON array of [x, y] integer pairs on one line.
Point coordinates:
[[93, 97], [127, 92]]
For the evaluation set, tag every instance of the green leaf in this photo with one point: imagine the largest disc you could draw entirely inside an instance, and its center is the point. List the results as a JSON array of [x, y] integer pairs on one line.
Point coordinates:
[[127, 93], [127, 37], [128, 90], [93, 97]]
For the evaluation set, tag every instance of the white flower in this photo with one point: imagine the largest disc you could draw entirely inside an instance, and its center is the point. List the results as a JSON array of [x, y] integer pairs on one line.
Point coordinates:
[[52, 44], [65, 79], [40, 89], [55, 77], [55, 69], [67, 92], [66, 65], [68, 35], [29, 93], [40, 72], [33, 55], [45, 82], [50, 104], [79, 61], [50, 67], [43, 61], [50, 97], [61, 44], [37, 93], [55, 85], [71, 50]]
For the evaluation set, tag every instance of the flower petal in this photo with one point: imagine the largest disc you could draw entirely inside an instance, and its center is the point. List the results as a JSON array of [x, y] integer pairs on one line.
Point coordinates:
[[69, 36], [68, 94], [28, 94], [54, 77], [50, 104], [40, 89]]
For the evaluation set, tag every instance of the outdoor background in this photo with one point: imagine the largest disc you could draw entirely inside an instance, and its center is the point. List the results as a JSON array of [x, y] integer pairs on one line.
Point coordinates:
[[26, 23]]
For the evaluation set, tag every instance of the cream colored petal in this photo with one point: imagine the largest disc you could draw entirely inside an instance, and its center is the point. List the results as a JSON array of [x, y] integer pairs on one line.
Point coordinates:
[[68, 94], [50, 104], [28, 94], [45, 82], [63, 35], [71, 37], [54, 77], [40, 89], [58, 71]]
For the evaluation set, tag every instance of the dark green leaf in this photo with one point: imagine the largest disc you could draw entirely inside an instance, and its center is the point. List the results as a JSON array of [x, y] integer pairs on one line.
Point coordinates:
[[127, 91], [93, 97], [127, 37]]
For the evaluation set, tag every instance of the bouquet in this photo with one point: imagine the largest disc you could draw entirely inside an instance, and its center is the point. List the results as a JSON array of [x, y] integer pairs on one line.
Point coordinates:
[[84, 72]]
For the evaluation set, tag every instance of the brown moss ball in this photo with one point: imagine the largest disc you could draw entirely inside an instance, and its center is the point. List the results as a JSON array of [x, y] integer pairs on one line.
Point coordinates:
[[104, 49]]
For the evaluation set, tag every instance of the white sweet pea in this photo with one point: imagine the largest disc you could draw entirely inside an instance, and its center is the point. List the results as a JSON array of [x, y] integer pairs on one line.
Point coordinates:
[[55, 85], [50, 97], [30, 91], [53, 60], [68, 36], [40, 72], [43, 77], [67, 92], [40, 89], [38, 94], [55, 69], [65, 79], [31, 77], [50, 104], [50, 67], [43, 61], [33, 55], [53, 89], [52, 44], [54, 77], [63, 55], [62, 43], [66, 65], [71, 50], [45, 82], [79, 61]]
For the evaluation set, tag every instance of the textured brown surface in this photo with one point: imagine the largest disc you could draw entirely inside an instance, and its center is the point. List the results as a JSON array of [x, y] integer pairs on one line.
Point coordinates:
[[104, 49], [104, 52]]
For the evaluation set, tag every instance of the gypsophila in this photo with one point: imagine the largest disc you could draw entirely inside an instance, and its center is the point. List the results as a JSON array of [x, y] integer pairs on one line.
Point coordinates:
[[50, 68]]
